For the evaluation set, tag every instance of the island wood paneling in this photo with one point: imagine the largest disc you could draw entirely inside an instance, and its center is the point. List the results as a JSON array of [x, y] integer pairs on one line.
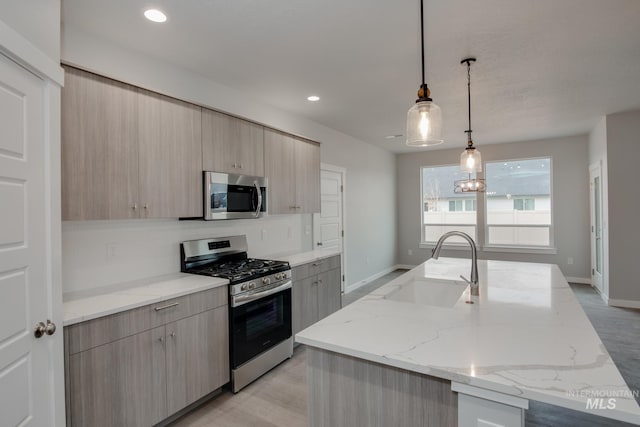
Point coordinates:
[[346, 391]]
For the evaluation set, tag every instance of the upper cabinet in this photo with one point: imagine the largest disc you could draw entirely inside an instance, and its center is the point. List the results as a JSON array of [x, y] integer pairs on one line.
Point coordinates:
[[99, 148], [127, 152], [170, 144], [231, 145], [292, 166], [131, 153]]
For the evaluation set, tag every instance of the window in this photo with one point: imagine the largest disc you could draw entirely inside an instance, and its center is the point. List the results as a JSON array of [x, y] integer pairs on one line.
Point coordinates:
[[444, 210], [518, 203], [528, 204]]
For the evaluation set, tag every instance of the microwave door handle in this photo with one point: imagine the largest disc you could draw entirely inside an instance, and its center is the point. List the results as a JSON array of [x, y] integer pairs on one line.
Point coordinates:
[[259, 194]]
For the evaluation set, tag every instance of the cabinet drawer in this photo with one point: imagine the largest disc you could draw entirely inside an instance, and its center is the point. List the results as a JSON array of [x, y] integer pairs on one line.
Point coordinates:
[[86, 335], [316, 267]]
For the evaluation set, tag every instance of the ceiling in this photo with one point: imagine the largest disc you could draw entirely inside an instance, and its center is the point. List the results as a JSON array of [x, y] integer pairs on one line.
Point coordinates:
[[545, 68]]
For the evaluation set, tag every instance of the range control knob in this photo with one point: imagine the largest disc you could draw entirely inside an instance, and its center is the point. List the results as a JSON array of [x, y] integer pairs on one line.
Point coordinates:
[[278, 276], [252, 285], [243, 287], [266, 280]]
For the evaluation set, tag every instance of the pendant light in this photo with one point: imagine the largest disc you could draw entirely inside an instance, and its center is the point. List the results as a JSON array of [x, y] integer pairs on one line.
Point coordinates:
[[424, 119], [470, 159]]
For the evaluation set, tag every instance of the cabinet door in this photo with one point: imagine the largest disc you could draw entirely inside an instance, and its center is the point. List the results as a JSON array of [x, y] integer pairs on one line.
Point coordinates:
[[231, 145], [279, 169], [170, 157], [197, 357], [304, 300], [99, 148], [307, 166], [122, 383], [329, 293]]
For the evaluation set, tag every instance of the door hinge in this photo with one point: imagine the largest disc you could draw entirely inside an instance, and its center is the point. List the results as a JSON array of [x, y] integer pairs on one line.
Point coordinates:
[[343, 277], [341, 188], [342, 233], [593, 272]]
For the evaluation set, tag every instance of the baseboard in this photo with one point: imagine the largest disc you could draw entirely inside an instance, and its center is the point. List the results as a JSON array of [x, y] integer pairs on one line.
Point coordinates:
[[370, 279], [624, 303], [583, 280], [404, 266]]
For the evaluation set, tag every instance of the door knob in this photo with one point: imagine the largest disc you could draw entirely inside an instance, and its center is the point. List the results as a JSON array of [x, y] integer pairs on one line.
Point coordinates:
[[50, 328], [319, 243], [39, 330]]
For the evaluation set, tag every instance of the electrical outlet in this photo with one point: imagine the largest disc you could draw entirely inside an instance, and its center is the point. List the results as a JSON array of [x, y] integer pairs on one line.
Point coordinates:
[[112, 251], [410, 252], [570, 260]]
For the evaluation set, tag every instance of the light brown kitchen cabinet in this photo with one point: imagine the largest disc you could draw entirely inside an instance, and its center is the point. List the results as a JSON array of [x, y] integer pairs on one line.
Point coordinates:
[[99, 148], [170, 144], [292, 166], [195, 364], [231, 145], [127, 152], [316, 291], [140, 366]]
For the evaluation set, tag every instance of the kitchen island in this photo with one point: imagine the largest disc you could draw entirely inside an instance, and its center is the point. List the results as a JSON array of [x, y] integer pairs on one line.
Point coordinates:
[[417, 351]]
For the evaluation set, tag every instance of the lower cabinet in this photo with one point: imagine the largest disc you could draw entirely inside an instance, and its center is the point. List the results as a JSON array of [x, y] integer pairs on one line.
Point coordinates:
[[141, 379], [316, 292]]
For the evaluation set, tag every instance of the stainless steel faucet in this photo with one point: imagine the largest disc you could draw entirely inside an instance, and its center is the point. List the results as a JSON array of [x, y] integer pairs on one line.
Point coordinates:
[[475, 289]]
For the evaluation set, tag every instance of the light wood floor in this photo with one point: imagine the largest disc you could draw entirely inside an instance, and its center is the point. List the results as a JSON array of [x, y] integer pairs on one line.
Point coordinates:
[[279, 398]]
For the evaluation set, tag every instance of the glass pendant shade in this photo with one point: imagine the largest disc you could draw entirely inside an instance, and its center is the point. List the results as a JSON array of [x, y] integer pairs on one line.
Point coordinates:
[[424, 124], [471, 160]]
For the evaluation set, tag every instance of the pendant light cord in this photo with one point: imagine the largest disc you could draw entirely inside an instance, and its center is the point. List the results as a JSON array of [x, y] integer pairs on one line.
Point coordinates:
[[422, 36], [468, 61]]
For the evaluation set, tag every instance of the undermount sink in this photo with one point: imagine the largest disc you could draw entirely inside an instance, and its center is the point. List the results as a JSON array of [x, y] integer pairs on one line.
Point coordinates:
[[433, 292]]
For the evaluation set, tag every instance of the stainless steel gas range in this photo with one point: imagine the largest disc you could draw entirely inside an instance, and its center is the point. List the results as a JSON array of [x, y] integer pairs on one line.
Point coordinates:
[[259, 303]]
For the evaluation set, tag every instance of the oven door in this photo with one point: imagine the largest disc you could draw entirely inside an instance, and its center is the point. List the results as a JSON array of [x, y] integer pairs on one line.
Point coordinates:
[[228, 196], [259, 321]]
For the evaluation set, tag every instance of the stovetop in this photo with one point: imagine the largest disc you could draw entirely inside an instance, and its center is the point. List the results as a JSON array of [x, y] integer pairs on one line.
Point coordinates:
[[240, 270]]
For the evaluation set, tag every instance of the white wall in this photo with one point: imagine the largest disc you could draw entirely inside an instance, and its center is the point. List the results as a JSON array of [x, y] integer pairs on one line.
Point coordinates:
[[623, 154], [36, 20], [101, 253], [371, 233], [570, 200], [598, 154]]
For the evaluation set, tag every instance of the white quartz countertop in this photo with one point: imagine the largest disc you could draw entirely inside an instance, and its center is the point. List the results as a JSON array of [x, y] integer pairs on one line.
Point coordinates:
[[91, 304], [526, 335], [300, 258]]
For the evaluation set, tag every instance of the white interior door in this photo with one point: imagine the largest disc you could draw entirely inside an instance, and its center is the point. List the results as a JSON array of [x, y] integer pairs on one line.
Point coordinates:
[[26, 362], [595, 185], [328, 225]]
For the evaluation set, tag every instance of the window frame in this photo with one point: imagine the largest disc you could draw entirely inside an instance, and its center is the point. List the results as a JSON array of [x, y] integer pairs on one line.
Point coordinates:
[[547, 249], [481, 225]]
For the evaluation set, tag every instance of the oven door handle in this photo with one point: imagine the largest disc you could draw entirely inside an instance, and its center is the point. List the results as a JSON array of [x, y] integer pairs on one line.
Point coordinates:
[[238, 300], [259, 194]]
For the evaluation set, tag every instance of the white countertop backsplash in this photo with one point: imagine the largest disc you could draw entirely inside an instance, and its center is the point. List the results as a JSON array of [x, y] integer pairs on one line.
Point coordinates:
[[91, 304], [526, 335]]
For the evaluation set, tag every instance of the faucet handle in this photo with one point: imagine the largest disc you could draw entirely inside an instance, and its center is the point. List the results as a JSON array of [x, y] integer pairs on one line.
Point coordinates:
[[469, 282]]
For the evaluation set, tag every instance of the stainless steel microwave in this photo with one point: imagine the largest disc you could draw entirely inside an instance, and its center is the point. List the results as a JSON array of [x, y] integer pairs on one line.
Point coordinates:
[[230, 196]]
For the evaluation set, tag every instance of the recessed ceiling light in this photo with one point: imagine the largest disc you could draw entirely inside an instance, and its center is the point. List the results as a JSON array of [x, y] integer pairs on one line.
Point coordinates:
[[393, 136], [155, 15], [313, 98]]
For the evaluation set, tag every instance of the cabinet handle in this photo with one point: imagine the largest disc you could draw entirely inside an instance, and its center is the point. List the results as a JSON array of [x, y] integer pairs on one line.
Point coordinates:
[[146, 206], [320, 282], [134, 207], [161, 339], [315, 264], [164, 307], [173, 334], [235, 165], [240, 165]]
